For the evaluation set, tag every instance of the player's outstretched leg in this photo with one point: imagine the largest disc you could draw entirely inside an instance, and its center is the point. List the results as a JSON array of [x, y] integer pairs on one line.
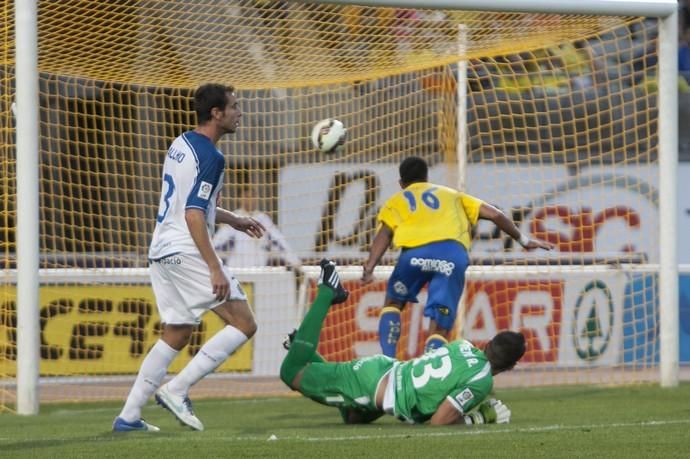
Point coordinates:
[[174, 397], [329, 277], [150, 376], [389, 330], [303, 346], [179, 406], [316, 358]]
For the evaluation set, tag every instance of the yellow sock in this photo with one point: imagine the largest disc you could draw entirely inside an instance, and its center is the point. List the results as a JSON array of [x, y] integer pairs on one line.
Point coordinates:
[[434, 342], [389, 330]]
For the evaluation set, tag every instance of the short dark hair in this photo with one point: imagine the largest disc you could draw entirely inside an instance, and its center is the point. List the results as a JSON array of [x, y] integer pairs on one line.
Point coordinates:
[[209, 96], [413, 169], [505, 349]]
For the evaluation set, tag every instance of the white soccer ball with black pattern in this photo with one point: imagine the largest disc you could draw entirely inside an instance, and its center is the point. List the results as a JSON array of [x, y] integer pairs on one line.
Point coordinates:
[[329, 136]]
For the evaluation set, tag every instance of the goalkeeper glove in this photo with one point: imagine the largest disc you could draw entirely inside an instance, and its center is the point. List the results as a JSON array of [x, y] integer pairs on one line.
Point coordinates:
[[491, 411]]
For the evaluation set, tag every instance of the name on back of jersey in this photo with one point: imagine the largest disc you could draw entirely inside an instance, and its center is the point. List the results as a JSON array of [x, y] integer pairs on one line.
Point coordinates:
[[176, 155], [466, 351]]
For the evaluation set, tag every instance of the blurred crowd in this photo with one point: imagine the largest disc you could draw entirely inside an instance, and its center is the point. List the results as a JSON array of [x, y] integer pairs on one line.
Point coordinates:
[[625, 57]]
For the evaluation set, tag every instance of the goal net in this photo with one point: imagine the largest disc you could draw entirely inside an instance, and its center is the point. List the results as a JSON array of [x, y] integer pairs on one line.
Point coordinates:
[[551, 118]]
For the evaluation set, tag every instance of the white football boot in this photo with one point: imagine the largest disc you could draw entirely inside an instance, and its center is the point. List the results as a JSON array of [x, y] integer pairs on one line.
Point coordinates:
[[179, 406]]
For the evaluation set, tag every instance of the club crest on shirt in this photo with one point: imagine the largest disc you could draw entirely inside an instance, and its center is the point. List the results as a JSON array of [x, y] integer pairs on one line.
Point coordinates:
[[205, 190], [400, 288], [463, 397]]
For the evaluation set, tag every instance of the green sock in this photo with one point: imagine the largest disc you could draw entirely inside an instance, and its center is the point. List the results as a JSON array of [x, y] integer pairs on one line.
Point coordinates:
[[317, 358], [303, 348]]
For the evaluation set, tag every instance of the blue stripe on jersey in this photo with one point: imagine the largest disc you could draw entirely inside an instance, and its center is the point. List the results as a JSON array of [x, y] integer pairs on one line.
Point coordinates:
[[209, 164], [196, 159], [191, 148]]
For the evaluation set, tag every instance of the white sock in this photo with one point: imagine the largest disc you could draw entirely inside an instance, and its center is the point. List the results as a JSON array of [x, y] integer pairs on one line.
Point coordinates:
[[210, 356], [151, 374]]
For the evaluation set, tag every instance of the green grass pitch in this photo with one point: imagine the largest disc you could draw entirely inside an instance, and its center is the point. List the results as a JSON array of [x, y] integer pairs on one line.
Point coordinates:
[[580, 421]]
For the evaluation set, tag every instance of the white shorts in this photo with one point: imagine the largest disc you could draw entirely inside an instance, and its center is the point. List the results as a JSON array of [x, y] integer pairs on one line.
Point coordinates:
[[182, 285]]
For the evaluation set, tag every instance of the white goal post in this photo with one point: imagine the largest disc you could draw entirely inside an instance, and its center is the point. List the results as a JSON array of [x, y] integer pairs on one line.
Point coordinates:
[[28, 277]]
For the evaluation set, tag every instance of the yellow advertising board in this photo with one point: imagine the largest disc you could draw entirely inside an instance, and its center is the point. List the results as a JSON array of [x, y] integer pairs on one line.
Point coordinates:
[[103, 330]]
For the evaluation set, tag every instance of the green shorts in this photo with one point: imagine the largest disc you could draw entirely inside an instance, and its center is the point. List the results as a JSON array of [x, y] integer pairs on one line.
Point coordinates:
[[350, 384]]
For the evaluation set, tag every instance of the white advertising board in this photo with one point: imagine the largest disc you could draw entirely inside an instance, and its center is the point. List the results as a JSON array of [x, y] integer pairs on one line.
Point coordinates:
[[599, 212]]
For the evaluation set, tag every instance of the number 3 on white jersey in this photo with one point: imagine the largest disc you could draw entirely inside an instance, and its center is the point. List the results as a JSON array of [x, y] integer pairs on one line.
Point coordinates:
[[429, 371], [165, 200]]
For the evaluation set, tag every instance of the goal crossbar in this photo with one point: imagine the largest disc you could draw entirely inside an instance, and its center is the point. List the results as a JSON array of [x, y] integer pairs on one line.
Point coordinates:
[[648, 8]]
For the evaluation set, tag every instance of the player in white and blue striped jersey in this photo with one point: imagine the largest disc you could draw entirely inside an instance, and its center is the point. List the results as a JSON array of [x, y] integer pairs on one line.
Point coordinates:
[[187, 276]]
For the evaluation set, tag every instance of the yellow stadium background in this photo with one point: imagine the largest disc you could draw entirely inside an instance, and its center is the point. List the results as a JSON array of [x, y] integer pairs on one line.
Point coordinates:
[[104, 329]]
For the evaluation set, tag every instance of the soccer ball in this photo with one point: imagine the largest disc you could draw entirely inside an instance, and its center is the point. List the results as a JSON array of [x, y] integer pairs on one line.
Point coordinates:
[[329, 136]]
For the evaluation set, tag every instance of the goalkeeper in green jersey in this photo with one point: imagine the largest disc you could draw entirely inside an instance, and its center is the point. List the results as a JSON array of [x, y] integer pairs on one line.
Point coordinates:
[[448, 385]]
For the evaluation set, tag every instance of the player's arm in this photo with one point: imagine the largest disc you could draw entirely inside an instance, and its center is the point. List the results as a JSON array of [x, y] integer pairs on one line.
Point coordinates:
[[489, 212], [447, 414], [381, 242], [490, 411], [247, 225], [196, 222]]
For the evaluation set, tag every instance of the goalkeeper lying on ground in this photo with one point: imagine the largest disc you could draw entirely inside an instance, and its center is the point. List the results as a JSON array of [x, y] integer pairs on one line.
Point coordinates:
[[448, 385]]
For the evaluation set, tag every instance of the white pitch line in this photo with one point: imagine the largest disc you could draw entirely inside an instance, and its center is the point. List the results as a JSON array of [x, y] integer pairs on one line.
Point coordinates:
[[424, 432], [469, 432]]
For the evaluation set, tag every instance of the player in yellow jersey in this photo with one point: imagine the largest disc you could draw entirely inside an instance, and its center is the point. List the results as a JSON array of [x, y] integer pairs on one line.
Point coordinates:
[[431, 224]]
